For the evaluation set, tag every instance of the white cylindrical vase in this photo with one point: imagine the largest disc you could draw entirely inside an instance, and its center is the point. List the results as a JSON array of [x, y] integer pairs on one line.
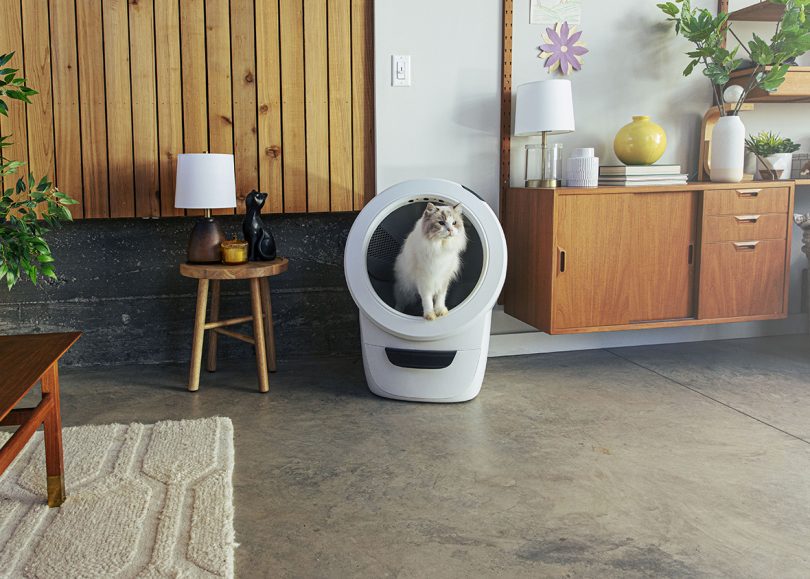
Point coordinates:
[[728, 150], [582, 169]]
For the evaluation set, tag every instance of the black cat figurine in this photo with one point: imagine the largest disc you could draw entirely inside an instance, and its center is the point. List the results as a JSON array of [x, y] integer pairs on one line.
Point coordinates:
[[261, 245]]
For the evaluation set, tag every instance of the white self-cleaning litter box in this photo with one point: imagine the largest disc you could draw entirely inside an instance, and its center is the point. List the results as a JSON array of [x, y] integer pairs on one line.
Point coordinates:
[[405, 356]]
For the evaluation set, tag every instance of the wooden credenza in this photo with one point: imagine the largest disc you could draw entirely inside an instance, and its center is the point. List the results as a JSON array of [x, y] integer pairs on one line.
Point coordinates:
[[621, 258]]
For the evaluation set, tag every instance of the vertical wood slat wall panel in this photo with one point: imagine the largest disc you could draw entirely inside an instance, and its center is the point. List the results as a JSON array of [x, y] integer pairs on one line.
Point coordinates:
[[293, 152], [317, 104], [243, 47], [144, 107], [65, 67], [268, 95], [170, 99], [363, 101], [38, 72], [340, 104], [92, 105], [115, 18], [285, 85], [220, 89], [195, 115], [14, 124]]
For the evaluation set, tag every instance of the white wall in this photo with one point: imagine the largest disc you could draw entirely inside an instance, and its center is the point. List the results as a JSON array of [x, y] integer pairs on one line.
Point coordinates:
[[447, 123]]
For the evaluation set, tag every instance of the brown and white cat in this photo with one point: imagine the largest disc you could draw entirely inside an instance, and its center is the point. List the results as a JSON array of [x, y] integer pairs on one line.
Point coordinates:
[[430, 260]]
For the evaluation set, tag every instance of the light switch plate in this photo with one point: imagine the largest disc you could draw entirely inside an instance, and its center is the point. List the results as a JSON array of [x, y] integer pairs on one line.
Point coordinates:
[[400, 70]]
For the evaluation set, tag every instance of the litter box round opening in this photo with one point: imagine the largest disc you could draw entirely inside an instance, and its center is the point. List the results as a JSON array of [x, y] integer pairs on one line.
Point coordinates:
[[386, 243], [399, 207]]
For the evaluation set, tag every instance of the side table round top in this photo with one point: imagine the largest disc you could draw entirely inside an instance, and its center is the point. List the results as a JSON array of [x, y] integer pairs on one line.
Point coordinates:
[[249, 270]]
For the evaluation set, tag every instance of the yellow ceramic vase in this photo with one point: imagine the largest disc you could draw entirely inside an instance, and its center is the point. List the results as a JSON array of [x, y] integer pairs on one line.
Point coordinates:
[[642, 142]]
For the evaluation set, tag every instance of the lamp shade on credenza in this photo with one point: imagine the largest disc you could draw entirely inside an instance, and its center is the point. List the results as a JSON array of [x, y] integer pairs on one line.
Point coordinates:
[[545, 106]]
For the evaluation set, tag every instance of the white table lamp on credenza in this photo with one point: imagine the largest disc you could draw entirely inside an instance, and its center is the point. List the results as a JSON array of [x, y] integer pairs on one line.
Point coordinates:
[[205, 181], [544, 107]]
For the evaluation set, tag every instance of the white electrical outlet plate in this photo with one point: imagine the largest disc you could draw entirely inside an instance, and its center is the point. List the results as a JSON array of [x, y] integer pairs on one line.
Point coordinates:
[[400, 70]]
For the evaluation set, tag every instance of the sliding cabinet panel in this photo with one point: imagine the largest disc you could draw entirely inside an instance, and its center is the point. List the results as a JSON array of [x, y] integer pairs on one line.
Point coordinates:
[[594, 244], [662, 256]]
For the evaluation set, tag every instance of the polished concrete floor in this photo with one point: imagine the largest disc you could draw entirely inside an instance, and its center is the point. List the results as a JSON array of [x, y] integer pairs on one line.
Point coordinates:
[[666, 461]]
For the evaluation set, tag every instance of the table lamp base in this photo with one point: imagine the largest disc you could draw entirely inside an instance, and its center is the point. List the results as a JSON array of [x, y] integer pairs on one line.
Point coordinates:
[[204, 244]]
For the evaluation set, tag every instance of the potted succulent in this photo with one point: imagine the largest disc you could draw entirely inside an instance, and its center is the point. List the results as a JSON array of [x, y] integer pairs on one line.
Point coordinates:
[[769, 62], [28, 207], [774, 154]]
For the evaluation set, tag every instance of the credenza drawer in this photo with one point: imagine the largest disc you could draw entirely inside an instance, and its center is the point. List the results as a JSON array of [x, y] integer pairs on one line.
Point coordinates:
[[744, 226], [742, 278], [746, 200]]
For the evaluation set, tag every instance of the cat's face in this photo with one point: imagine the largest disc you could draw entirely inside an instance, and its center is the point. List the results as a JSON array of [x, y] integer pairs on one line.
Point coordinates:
[[255, 200], [442, 221]]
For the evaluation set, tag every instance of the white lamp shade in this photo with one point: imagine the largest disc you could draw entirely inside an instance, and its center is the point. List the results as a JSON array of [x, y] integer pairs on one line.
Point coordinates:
[[205, 181], [545, 106]]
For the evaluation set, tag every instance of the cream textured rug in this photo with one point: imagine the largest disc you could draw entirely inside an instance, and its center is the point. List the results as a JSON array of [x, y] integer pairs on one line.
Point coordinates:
[[142, 501]]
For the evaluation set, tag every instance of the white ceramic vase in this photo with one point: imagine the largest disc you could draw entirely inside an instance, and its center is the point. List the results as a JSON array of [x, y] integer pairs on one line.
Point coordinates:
[[780, 162], [728, 150]]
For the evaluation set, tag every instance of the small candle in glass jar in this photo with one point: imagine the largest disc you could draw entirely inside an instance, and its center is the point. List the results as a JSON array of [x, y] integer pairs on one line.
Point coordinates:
[[234, 251]]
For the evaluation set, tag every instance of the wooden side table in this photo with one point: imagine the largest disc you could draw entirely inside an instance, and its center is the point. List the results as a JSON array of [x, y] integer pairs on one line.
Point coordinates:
[[27, 359], [262, 315]]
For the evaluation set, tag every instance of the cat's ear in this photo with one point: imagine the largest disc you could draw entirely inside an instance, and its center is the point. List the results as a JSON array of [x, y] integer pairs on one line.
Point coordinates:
[[431, 208], [457, 208]]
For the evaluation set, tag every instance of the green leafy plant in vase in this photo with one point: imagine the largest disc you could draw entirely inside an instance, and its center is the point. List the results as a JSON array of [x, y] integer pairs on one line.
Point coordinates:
[[771, 61], [774, 154], [29, 208]]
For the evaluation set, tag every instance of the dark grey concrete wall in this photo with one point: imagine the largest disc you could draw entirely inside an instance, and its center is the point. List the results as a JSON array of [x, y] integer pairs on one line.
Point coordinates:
[[119, 284]]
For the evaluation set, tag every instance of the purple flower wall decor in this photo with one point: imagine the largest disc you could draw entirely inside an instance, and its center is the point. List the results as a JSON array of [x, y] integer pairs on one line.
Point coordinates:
[[562, 48]]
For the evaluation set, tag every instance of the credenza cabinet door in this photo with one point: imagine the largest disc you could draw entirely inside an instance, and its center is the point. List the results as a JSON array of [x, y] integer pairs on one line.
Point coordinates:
[[624, 259], [594, 240], [662, 258]]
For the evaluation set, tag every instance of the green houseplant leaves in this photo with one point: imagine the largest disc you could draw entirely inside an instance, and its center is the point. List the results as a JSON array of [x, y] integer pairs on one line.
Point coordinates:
[[29, 208], [771, 59], [766, 143]]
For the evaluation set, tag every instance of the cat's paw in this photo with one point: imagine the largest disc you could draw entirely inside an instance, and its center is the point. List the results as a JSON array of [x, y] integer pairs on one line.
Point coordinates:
[[430, 316], [440, 313]]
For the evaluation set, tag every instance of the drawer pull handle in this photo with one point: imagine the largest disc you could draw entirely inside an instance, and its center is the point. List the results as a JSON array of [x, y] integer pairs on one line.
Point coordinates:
[[746, 218], [748, 192], [745, 245], [562, 260], [691, 253]]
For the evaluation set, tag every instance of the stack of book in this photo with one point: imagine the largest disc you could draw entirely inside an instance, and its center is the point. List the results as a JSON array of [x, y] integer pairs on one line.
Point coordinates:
[[641, 175]]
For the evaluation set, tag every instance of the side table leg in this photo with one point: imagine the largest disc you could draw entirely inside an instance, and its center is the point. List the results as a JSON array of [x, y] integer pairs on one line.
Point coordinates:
[[269, 334], [211, 365], [199, 333], [54, 459], [258, 335]]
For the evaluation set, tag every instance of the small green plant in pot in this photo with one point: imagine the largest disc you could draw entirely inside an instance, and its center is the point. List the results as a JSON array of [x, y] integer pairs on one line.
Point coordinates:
[[29, 207], [774, 154]]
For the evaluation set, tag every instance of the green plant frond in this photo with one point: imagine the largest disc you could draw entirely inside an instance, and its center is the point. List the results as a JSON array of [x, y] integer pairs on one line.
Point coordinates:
[[706, 31], [767, 143], [29, 208]]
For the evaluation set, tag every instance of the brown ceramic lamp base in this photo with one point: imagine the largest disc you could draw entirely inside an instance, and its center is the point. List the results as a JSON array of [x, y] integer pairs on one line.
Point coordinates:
[[204, 245]]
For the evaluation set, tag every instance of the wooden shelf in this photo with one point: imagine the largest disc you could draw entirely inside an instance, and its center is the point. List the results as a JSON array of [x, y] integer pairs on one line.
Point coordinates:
[[760, 12], [802, 182], [795, 89]]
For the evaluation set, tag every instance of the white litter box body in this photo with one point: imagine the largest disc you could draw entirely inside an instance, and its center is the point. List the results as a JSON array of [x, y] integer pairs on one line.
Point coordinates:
[[405, 356]]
